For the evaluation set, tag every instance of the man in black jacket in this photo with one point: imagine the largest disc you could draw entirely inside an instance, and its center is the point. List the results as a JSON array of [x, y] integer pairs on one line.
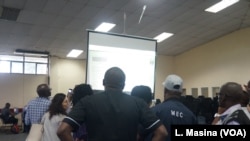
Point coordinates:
[[111, 115]]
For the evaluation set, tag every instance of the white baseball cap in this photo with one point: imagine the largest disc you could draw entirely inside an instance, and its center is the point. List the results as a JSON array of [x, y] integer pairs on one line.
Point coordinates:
[[173, 83]]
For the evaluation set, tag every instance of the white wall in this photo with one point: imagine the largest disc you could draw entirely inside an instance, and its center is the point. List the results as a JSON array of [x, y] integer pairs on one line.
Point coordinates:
[[66, 73], [217, 62], [18, 89], [164, 67]]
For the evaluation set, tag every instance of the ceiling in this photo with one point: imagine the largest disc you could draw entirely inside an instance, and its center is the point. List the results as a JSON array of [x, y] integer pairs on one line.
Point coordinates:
[[57, 26]]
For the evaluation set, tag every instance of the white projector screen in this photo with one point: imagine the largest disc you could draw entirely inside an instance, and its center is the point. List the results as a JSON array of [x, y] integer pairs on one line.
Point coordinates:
[[134, 55]]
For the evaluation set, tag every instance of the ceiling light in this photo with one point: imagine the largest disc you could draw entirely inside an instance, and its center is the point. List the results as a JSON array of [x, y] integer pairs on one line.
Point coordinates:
[[105, 27], [30, 52], [74, 53], [221, 5], [163, 36]]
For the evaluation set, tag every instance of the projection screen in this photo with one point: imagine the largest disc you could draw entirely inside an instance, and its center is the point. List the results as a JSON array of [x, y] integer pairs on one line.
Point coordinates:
[[134, 55]]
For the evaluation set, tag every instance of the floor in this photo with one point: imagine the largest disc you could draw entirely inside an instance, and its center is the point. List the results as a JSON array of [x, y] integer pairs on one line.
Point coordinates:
[[6, 135], [12, 137]]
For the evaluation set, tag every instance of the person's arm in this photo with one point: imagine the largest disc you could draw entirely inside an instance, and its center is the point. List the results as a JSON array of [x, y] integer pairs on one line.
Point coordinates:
[[152, 123], [27, 120], [64, 132], [73, 121], [160, 133], [11, 114]]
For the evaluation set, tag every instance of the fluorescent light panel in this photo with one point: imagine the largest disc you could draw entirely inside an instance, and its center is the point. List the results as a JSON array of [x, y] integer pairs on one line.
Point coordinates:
[[74, 53], [105, 27], [31, 52], [221, 5], [163, 36]]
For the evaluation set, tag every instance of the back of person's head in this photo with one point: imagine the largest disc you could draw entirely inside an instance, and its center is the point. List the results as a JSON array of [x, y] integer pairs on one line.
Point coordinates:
[[143, 92], [114, 78], [158, 101], [245, 99], [173, 85], [43, 90], [248, 87], [7, 105], [81, 91], [230, 94], [57, 105]]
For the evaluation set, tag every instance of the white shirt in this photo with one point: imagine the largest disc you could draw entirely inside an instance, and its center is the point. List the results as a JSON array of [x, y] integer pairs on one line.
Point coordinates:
[[51, 126]]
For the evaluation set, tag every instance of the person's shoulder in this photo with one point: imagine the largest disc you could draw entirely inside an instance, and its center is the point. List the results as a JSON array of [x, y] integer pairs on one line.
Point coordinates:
[[44, 99], [238, 116], [91, 98], [165, 104], [60, 117], [134, 98], [32, 101], [46, 114]]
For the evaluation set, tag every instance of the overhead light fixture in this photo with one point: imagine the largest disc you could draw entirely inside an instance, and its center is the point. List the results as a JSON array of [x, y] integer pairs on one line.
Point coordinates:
[[74, 53], [163, 36], [31, 52], [221, 5], [105, 27]]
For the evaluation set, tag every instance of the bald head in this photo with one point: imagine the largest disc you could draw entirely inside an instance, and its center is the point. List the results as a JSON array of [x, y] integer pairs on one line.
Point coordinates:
[[230, 94], [114, 78]]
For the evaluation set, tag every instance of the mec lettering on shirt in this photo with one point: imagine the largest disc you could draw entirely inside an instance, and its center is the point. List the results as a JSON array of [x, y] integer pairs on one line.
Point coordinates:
[[177, 114]]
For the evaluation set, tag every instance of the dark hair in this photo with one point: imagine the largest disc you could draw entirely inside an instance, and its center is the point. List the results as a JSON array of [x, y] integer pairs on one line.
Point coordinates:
[[143, 92], [81, 91], [232, 91], [43, 90], [245, 99], [248, 87], [56, 107], [158, 101], [7, 105], [114, 78]]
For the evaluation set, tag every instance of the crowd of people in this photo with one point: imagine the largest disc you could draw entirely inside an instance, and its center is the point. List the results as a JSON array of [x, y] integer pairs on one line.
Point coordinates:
[[114, 115]]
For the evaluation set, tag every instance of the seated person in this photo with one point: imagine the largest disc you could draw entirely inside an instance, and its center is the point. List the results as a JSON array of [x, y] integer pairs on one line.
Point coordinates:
[[8, 116]]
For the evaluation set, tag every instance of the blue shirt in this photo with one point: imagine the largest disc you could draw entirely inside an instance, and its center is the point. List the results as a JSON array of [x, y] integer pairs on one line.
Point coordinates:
[[36, 108], [173, 112]]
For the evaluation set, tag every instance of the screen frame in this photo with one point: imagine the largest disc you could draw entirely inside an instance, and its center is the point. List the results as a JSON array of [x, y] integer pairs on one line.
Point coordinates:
[[125, 36]]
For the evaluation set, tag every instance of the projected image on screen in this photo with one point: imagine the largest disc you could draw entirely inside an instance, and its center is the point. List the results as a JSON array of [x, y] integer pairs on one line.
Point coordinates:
[[135, 56]]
